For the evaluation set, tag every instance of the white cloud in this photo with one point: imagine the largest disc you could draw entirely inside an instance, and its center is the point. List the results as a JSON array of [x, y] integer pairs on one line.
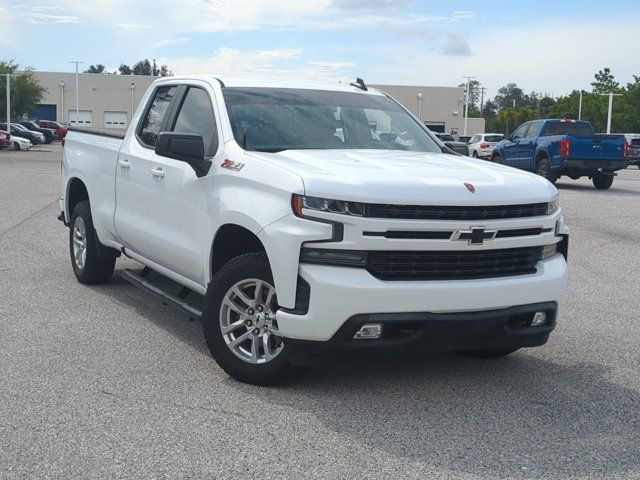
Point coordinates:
[[454, 44], [171, 41], [44, 18], [131, 26]]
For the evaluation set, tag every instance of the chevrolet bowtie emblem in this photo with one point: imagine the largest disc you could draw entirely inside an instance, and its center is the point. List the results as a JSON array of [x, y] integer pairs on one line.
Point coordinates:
[[475, 235]]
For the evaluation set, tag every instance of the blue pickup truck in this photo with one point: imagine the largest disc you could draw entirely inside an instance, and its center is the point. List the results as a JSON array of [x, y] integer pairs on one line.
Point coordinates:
[[553, 148]]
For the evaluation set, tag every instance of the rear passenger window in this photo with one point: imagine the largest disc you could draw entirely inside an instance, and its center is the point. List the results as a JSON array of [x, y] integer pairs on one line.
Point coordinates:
[[534, 128], [196, 116], [150, 127]]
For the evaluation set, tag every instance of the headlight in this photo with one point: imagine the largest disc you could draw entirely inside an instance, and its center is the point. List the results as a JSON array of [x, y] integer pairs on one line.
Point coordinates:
[[298, 202], [553, 206]]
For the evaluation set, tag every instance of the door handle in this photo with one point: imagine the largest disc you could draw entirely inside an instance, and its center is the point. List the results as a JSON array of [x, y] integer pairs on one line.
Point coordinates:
[[157, 172], [124, 164]]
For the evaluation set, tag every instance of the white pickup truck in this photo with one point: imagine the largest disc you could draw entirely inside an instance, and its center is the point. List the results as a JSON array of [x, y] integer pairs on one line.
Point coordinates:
[[298, 218]]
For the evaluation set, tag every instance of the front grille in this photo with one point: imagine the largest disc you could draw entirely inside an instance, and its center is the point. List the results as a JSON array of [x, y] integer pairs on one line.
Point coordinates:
[[435, 212], [451, 265]]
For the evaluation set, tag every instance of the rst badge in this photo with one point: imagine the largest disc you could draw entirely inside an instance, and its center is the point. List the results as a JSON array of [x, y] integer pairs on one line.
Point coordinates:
[[231, 165]]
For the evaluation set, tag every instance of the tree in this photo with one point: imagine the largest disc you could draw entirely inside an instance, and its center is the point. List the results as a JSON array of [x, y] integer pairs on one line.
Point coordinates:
[[125, 69], [508, 94], [165, 72], [98, 68], [26, 92], [474, 94], [605, 82], [143, 67]]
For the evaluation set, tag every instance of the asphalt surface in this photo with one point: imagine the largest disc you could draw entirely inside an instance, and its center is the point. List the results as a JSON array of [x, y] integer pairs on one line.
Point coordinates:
[[107, 382]]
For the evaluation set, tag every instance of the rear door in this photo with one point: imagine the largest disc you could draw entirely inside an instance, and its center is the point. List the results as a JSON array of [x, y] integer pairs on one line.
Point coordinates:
[[133, 177], [178, 207]]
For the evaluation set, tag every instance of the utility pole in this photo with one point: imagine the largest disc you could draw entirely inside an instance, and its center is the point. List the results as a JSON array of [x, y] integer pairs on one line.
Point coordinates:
[[611, 95], [466, 103], [420, 106], [580, 106], [77, 92], [482, 90], [8, 77]]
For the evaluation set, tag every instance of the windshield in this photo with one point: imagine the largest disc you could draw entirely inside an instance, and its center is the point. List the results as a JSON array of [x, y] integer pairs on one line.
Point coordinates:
[[276, 119], [492, 138]]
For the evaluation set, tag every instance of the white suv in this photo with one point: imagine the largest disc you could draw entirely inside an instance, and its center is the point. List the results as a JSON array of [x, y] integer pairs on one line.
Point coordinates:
[[481, 144]]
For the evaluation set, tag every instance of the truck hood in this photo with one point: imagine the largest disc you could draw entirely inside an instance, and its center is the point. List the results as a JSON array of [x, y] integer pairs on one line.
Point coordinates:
[[409, 178]]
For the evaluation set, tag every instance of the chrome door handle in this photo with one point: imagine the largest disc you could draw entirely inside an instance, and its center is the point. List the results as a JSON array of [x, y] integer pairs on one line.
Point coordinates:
[[124, 164], [157, 172]]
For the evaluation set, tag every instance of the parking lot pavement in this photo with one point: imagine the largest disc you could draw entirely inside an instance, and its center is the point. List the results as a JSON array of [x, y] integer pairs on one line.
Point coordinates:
[[106, 382]]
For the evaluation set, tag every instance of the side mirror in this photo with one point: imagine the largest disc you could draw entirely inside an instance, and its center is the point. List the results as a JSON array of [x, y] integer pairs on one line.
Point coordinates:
[[186, 147]]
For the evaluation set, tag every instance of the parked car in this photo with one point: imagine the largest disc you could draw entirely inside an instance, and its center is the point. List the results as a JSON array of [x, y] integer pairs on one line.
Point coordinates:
[[634, 148], [5, 139], [58, 128], [346, 249], [20, 143], [49, 134], [464, 138], [36, 138], [553, 148], [481, 144], [450, 141]]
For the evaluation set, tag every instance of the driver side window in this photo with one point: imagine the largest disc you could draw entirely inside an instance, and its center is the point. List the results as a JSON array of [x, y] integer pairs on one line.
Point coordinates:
[[519, 133]]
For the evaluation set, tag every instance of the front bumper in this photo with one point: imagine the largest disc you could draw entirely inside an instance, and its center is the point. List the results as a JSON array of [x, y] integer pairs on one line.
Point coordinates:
[[338, 294]]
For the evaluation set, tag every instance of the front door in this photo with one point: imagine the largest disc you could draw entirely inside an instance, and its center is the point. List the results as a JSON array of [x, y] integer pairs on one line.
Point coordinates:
[[177, 215], [133, 177], [512, 152]]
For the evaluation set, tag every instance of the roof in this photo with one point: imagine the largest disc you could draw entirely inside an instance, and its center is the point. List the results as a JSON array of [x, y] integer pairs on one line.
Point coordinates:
[[273, 82]]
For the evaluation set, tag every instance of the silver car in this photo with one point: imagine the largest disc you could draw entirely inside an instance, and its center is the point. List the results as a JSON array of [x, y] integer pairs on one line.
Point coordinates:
[[481, 144]]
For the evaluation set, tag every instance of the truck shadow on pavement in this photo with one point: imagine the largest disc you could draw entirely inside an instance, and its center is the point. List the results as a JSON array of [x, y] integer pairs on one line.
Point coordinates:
[[520, 416], [580, 187]]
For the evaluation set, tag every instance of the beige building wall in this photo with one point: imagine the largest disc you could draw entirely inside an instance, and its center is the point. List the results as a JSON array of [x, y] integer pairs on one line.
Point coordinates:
[[436, 106], [98, 93]]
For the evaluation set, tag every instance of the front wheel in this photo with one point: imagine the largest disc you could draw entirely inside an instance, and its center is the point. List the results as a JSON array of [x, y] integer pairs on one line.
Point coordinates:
[[16, 146], [240, 324], [602, 180], [497, 158]]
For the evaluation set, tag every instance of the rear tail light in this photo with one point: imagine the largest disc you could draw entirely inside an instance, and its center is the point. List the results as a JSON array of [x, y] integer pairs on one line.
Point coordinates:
[[565, 147], [625, 149], [484, 145]]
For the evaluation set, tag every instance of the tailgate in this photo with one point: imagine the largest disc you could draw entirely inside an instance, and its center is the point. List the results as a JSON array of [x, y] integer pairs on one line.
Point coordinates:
[[597, 147]]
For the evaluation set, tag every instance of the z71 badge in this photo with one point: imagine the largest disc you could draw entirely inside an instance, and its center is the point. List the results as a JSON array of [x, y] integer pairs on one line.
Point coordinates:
[[235, 166]]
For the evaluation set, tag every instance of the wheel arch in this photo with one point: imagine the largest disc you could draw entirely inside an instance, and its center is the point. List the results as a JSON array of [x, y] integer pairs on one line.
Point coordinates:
[[230, 241], [76, 192]]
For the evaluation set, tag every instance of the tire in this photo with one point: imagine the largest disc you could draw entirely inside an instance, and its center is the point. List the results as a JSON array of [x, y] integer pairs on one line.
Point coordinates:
[[16, 146], [543, 168], [247, 360], [489, 354], [497, 159], [475, 154], [602, 181], [88, 267]]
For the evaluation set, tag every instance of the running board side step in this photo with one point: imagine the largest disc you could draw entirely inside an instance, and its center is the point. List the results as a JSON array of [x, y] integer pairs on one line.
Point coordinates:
[[141, 282]]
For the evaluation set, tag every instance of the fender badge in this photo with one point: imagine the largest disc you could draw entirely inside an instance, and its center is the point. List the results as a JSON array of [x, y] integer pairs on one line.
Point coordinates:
[[470, 187], [231, 165]]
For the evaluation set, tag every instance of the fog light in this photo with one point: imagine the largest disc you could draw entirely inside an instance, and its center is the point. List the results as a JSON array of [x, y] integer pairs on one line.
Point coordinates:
[[539, 318], [369, 331]]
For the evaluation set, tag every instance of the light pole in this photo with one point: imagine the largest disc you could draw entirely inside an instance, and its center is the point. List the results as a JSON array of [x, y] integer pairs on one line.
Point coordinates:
[[466, 103], [8, 77], [77, 92], [62, 100], [132, 86], [580, 106], [420, 106], [611, 95]]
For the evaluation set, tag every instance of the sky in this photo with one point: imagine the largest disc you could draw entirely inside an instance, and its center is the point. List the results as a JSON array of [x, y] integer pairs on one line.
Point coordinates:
[[548, 46]]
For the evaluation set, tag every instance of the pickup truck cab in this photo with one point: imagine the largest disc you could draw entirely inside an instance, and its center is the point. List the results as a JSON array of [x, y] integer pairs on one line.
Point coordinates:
[[553, 148], [293, 229]]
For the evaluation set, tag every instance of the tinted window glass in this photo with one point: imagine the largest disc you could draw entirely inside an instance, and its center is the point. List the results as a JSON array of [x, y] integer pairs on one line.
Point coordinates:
[[275, 119], [196, 116], [519, 133], [568, 128], [492, 138], [151, 124], [534, 128]]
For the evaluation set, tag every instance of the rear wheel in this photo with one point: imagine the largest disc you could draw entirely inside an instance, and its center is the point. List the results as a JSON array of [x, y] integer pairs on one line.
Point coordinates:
[[475, 154], [240, 324], [88, 267], [543, 168], [602, 180]]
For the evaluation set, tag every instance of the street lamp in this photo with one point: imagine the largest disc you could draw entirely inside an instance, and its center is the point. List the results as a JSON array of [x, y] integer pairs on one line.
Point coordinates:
[[420, 106], [77, 92], [132, 86], [580, 106], [466, 103], [62, 100], [611, 95]]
